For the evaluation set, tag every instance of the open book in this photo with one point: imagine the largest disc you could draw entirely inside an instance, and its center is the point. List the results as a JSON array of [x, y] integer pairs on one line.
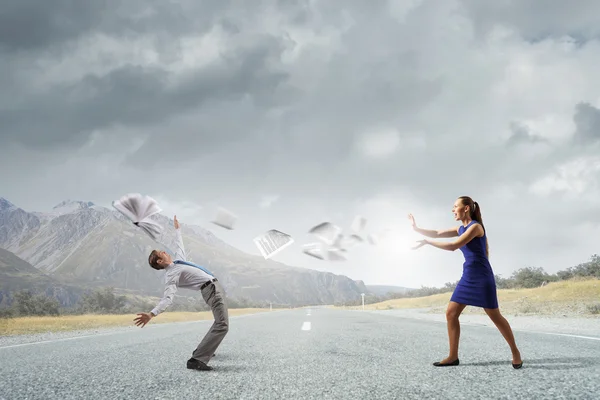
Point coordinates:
[[139, 209]]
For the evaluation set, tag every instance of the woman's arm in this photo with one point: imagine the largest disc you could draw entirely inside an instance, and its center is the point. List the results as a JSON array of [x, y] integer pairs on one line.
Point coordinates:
[[474, 230], [433, 233]]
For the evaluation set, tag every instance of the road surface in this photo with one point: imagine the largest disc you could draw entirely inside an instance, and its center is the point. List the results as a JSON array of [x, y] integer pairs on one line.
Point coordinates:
[[314, 353]]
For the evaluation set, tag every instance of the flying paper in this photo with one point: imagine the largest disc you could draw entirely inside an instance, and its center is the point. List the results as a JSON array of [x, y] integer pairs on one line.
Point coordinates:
[[225, 219], [272, 242], [315, 250], [358, 225], [326, 231]]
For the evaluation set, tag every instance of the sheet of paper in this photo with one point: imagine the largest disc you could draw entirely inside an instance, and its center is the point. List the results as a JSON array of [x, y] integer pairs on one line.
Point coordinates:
[[315, 250], [225, 219], [336, 254], [352, 240], [326, 232], [359, 223], [373, 240], [272, 242]]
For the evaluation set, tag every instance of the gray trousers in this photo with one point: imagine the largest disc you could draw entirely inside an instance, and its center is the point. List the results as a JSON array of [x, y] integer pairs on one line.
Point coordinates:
[[213, 295]]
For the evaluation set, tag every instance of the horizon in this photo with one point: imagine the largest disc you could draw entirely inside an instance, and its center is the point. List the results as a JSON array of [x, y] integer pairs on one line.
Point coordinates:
[[215, 231]]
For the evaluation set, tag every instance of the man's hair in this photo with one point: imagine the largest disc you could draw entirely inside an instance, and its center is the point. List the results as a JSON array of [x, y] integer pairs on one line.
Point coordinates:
[[153, 259]]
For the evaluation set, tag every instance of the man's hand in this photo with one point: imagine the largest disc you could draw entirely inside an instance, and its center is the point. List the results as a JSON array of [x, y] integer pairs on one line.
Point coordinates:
[[175, 222], [143, 319]]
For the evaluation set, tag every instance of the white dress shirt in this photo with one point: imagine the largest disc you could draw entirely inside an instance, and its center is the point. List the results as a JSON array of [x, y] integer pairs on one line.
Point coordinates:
[[180, 276]]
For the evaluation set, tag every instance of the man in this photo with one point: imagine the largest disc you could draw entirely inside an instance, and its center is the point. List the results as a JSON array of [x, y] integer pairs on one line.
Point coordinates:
[[182, 273]]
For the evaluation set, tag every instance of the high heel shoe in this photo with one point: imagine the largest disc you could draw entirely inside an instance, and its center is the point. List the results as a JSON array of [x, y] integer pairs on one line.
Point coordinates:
[[450, 364]]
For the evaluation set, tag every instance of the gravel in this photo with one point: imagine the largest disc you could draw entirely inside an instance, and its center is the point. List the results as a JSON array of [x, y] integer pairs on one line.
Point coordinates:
[[345, 355]]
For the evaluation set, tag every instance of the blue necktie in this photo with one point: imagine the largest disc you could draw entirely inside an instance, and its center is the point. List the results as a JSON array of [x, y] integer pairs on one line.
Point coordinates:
[[191, 264]]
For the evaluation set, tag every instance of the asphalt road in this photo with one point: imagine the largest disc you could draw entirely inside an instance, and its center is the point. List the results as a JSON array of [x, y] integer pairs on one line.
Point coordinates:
[[279, 355]]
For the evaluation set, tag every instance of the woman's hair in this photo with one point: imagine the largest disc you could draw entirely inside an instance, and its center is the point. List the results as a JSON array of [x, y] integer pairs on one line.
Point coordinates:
[[475, 214]]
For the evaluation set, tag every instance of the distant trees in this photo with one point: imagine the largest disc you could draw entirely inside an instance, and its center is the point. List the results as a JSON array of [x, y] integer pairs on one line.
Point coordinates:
[[526, 277], [107, 301], [102, 301], [27, 303]]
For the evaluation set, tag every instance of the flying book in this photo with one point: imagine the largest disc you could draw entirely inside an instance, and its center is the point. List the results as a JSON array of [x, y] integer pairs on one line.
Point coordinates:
[[225, 219], [139, 209], [272, 242], [327, 232]]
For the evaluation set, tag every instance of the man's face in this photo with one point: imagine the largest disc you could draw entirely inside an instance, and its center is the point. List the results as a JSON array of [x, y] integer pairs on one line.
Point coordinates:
[[164, 258]]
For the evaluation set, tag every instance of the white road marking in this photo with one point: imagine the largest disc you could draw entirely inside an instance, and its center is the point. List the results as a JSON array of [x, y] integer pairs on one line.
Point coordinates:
[[306, 326], [563, 334], [156, 326], [493, 327], [58, 340]]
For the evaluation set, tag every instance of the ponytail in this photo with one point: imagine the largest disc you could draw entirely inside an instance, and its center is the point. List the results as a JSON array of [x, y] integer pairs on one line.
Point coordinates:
[[475, 214]]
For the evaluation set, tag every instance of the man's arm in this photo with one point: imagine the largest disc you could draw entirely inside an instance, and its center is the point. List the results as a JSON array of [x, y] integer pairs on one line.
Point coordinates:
[[179, 248], [167, 299]]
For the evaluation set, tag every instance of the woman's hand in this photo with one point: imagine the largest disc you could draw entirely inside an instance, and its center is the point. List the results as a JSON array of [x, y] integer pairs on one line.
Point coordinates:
[[420, 243], [412, 221]]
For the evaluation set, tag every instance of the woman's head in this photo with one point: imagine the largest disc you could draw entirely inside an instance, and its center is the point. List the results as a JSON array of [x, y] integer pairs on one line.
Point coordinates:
[[465, 208]]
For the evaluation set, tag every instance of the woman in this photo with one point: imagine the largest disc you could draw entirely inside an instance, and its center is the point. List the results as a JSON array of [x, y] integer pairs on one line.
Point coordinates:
[[477, 286]]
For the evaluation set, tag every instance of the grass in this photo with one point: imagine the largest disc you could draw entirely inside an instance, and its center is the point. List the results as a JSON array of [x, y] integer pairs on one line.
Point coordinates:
[[30, 325], [572, 297]]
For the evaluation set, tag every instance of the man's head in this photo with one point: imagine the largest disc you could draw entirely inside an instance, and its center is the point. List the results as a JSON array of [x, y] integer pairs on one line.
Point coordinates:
[[159, 259]]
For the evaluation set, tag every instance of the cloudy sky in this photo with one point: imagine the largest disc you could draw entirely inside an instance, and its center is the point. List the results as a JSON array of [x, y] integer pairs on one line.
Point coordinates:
[[293, 113]]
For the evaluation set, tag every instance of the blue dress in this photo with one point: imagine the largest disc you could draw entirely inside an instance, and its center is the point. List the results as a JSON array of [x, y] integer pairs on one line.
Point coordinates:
[[477, 286]]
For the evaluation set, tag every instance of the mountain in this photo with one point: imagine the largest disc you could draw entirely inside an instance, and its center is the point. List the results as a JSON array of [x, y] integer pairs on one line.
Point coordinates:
[[82, 244], [382, 290], [17, 274]]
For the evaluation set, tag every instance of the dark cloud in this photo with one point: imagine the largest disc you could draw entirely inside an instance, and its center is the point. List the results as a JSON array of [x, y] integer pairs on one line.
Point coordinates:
[[28, 25], [220, 103], [557, 19], [522, 135], [137, 96], [587, 123]]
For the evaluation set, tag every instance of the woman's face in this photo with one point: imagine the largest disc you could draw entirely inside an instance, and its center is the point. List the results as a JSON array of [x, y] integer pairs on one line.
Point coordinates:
[[459, 210]]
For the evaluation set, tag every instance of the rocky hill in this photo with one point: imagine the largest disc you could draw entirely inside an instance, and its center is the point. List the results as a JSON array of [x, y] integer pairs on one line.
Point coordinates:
[[17, 274], [81, 245]]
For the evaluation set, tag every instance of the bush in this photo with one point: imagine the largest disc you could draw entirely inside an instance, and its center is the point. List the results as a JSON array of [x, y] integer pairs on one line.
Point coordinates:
[[530, 277], [26, 303], [594, 308], [102, 301]]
